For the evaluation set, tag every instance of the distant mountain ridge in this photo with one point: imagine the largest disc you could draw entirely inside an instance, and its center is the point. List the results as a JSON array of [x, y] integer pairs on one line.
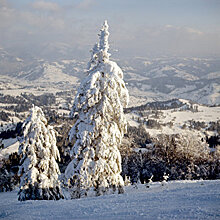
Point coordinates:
[[148, 80], [197, 79]]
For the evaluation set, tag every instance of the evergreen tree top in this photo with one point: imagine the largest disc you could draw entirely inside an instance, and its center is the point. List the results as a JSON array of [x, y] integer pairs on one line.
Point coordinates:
[[99, 52], [36, 113], [103, 43]]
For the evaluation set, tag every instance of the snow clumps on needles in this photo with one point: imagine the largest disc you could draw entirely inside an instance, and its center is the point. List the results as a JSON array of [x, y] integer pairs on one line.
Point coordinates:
[[39, 170], [100, 125]]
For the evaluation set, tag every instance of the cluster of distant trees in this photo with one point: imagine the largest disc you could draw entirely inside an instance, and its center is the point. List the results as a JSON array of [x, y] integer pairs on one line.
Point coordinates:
[[4, 116], [211, 126], [214, 126], [213, 141], [12, 133], [171, 104], [8, 172], [24, 102], [197, 125], [179, 156]]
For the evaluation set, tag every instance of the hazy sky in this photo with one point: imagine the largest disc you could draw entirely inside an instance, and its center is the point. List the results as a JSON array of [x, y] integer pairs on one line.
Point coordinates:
[[69, 28]]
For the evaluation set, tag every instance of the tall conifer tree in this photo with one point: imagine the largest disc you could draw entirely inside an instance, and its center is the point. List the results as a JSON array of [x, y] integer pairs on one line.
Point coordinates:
[[100, 125]]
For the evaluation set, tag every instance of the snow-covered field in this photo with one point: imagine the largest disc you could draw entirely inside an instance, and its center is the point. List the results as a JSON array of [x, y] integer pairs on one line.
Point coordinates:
[[179, 117], [12, 147], [176, 200]]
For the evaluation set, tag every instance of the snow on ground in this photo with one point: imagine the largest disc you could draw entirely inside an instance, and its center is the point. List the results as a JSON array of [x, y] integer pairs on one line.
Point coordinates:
[[179, 117], [52, 80], [212, 75], [176, 200], [9, 148], [185, 75], [135, 101], [8, 142], [131, 119], [53, 73], [209, 94], [6, 125], [34, 90], [136, 77], [204, 113]]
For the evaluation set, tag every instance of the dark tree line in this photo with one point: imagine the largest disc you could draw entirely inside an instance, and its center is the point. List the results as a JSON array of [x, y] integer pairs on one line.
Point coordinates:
[[4, 116], [12, 133], [165, 155], [25, 100], [170, 104]]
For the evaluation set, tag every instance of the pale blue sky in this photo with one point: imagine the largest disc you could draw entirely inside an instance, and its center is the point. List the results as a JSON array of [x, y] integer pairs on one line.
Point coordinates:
[[137, 27]]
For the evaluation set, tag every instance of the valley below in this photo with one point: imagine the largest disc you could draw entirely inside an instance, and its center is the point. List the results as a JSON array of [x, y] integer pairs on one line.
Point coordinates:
[[173, 129]]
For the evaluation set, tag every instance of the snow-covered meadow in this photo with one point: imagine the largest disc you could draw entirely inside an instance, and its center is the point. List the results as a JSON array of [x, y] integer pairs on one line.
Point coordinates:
[[175, 200], [179, 117]]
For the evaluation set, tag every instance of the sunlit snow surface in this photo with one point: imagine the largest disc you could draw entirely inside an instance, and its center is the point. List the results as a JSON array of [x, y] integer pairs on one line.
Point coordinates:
[[175, 200]]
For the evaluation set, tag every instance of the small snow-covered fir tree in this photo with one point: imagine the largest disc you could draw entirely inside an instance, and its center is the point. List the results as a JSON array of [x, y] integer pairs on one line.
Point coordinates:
[[39, 170], [100, 124]]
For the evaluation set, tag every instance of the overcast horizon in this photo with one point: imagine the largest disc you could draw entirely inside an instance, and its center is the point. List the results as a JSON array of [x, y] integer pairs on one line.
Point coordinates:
[[68, 29]]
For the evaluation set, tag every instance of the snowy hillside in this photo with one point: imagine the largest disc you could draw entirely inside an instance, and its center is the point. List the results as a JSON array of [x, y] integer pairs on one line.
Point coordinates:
[[50, 73], [166, 78], [147, 79], [9, 63], [177, 120], [11, 146], [176, 200]]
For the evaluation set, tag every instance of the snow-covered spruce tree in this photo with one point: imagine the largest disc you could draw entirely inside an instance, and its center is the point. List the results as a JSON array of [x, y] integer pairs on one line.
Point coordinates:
[[39, 170], [100, 125]]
